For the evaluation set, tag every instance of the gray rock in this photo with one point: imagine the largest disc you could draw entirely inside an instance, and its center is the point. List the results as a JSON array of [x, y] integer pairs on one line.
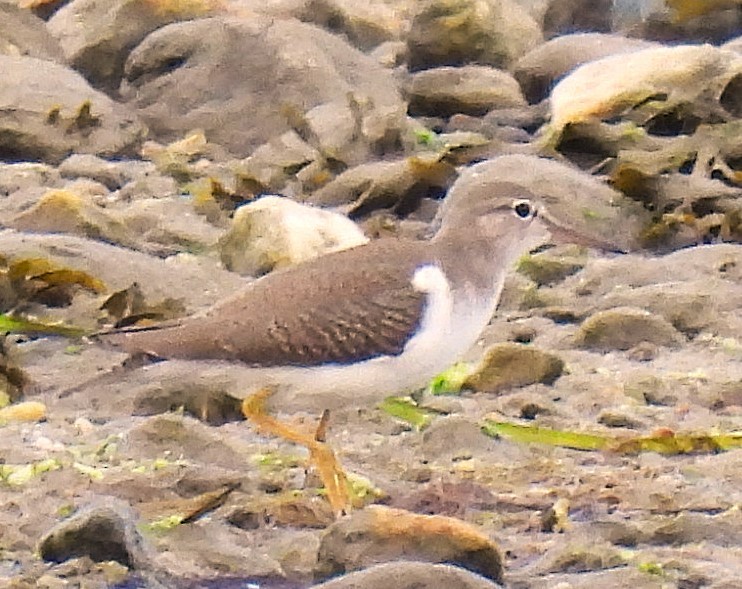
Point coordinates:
[[97, 36], [48, 111], [365, 24], [196, 283], [695, 289], [623, 328], [437, 446], [112, 174], [457, 32], [22, 33], [409, 575], [240, 82], [539, 69], [102, 532], [378, 534], [473, 90]]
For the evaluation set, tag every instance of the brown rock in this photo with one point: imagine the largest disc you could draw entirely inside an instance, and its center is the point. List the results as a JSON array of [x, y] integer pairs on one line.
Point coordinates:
[[509, 365], [471, 89], [378, 534]]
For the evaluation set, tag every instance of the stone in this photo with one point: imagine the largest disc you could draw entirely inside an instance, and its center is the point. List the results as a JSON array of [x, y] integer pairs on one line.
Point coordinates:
[[693, 75], [567, 16], [551, 266], [112, 174], [22, 33], [47, 111], [458, 32], [97, 36], [245, 86], [64, 211], [364, 24], [622, 328], [387, 184], [507, 365], [378, 534], [470, 89], [409, 575], [542, 67], [437, 446], [275, 232], [103, 532]]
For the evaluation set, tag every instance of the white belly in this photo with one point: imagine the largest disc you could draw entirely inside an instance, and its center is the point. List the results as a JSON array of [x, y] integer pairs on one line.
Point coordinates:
[[440, 342]]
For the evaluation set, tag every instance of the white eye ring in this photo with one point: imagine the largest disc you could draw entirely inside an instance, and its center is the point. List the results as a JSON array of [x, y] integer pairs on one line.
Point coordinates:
[[524, 209]]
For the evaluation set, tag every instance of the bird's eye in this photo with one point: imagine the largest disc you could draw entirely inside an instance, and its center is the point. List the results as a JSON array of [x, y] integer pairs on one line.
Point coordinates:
[[523, 209]]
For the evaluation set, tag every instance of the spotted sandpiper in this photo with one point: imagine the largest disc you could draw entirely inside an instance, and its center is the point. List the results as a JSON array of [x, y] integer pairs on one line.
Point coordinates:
[[379, 319]]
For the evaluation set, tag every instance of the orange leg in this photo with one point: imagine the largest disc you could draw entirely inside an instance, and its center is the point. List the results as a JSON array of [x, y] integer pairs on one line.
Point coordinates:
[[320, 454]]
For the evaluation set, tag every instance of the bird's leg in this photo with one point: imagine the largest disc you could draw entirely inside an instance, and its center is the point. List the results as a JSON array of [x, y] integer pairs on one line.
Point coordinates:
[[320, 453]]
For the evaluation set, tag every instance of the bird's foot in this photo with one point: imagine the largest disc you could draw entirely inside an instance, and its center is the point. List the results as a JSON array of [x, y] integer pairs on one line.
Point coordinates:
[[321, 454]]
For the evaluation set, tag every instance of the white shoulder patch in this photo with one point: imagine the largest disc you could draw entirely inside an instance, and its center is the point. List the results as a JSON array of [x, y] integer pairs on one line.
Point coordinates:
[[430, 280]]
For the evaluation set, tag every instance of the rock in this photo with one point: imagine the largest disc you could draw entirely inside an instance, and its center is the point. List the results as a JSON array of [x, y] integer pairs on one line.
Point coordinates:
[[623, 328], [539, 69], [443, 33], [63, 211], [695, 289], [551, 266], [196, 283], [48, 111], [471, 89], [276, 232], [567, 16], [509, 365], [409, 575], [377, 534], [388, 184], [260, 87], [364, 24], [694, 76], [734, 45], [112, 174], [390, 54], [22, 33], [673, 22], [437, 438], [103, 532], [177, 435], [581, 202], [97, 36], [591, 557]]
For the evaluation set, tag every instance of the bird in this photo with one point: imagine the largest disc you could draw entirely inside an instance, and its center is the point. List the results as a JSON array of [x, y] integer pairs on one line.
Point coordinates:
[[355, 326], [378, 319]]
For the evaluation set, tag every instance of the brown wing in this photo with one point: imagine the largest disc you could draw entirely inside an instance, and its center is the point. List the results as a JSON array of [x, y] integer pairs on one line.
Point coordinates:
[[352, 309]]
